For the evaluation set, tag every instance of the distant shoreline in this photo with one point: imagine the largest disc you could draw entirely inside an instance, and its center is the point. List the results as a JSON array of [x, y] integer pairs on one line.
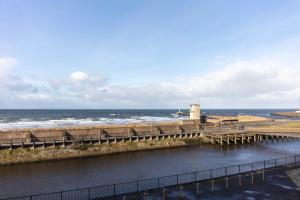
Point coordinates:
[[287, 114]]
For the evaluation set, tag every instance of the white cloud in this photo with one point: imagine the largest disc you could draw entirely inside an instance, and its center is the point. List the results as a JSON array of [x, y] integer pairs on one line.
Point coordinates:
[[246, 84], [7, 61], [5, 66], [79, 76]]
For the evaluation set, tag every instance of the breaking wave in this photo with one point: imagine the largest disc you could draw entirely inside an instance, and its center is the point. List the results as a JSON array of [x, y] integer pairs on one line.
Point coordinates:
[[64, 122]]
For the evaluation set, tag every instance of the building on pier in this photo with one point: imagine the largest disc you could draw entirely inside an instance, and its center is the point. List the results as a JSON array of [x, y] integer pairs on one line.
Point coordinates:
[[195, 113]]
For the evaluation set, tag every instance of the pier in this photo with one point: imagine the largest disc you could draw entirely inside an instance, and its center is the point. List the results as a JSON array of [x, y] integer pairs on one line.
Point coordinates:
[[90, 139], [217, 136]]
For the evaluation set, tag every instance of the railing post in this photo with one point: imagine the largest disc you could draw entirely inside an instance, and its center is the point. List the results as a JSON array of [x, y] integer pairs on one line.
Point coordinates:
[[227, 182], [197, 188], [114, 190], [285, 161], [181, 193], [89, 193], [61, 196]]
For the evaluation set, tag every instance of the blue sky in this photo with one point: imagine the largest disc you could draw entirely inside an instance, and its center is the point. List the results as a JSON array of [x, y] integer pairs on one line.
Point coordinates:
[[149, 54]]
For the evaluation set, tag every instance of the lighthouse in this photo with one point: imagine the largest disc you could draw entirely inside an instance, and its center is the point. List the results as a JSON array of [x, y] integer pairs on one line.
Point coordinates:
[[195, 111]]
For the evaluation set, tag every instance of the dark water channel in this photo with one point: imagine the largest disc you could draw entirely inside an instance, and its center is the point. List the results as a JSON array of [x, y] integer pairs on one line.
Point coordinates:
[[52, 176]]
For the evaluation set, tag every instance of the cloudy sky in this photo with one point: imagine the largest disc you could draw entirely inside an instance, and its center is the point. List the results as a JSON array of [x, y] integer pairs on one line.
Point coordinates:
[[149, 53]]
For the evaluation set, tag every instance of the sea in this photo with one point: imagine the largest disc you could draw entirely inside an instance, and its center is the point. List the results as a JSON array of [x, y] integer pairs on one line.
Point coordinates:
[[45, 118]]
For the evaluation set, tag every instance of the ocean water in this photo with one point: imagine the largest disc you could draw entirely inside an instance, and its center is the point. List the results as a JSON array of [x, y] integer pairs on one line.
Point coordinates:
[[60, 118]]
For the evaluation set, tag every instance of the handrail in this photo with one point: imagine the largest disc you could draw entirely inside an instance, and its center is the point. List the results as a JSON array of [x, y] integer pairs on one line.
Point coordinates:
[[139, 185]]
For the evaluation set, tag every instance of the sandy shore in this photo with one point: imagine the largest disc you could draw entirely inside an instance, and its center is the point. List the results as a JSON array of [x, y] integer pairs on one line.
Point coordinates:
[[244, 119], [287, 114]]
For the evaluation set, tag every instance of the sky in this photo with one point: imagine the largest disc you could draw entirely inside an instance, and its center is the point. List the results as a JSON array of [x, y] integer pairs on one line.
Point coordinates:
[[149, 54]]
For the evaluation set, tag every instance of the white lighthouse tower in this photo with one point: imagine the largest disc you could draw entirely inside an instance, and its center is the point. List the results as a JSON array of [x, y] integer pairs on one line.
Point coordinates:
[[195, 111]]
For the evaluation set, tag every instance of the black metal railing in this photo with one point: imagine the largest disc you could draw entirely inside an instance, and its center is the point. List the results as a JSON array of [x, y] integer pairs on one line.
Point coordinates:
[[161, 182]]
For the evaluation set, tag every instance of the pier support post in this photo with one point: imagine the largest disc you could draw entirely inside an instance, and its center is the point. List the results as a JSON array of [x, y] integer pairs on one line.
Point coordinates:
[[99, 138], [263, 175], [212, 185], [92, 140], [197, 186], [221, 141], [240, 180], [64, 141], [235, 140], [228, 141], [242, 139], [272, 138], [54, 142], [252, 178]]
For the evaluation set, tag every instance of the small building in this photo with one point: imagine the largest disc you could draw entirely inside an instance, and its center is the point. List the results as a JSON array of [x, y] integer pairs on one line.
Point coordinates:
[[195, 113], [232, 123]]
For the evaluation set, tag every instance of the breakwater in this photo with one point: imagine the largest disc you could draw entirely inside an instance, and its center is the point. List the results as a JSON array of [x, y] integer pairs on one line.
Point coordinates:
[[103, 131], [30, 145]]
